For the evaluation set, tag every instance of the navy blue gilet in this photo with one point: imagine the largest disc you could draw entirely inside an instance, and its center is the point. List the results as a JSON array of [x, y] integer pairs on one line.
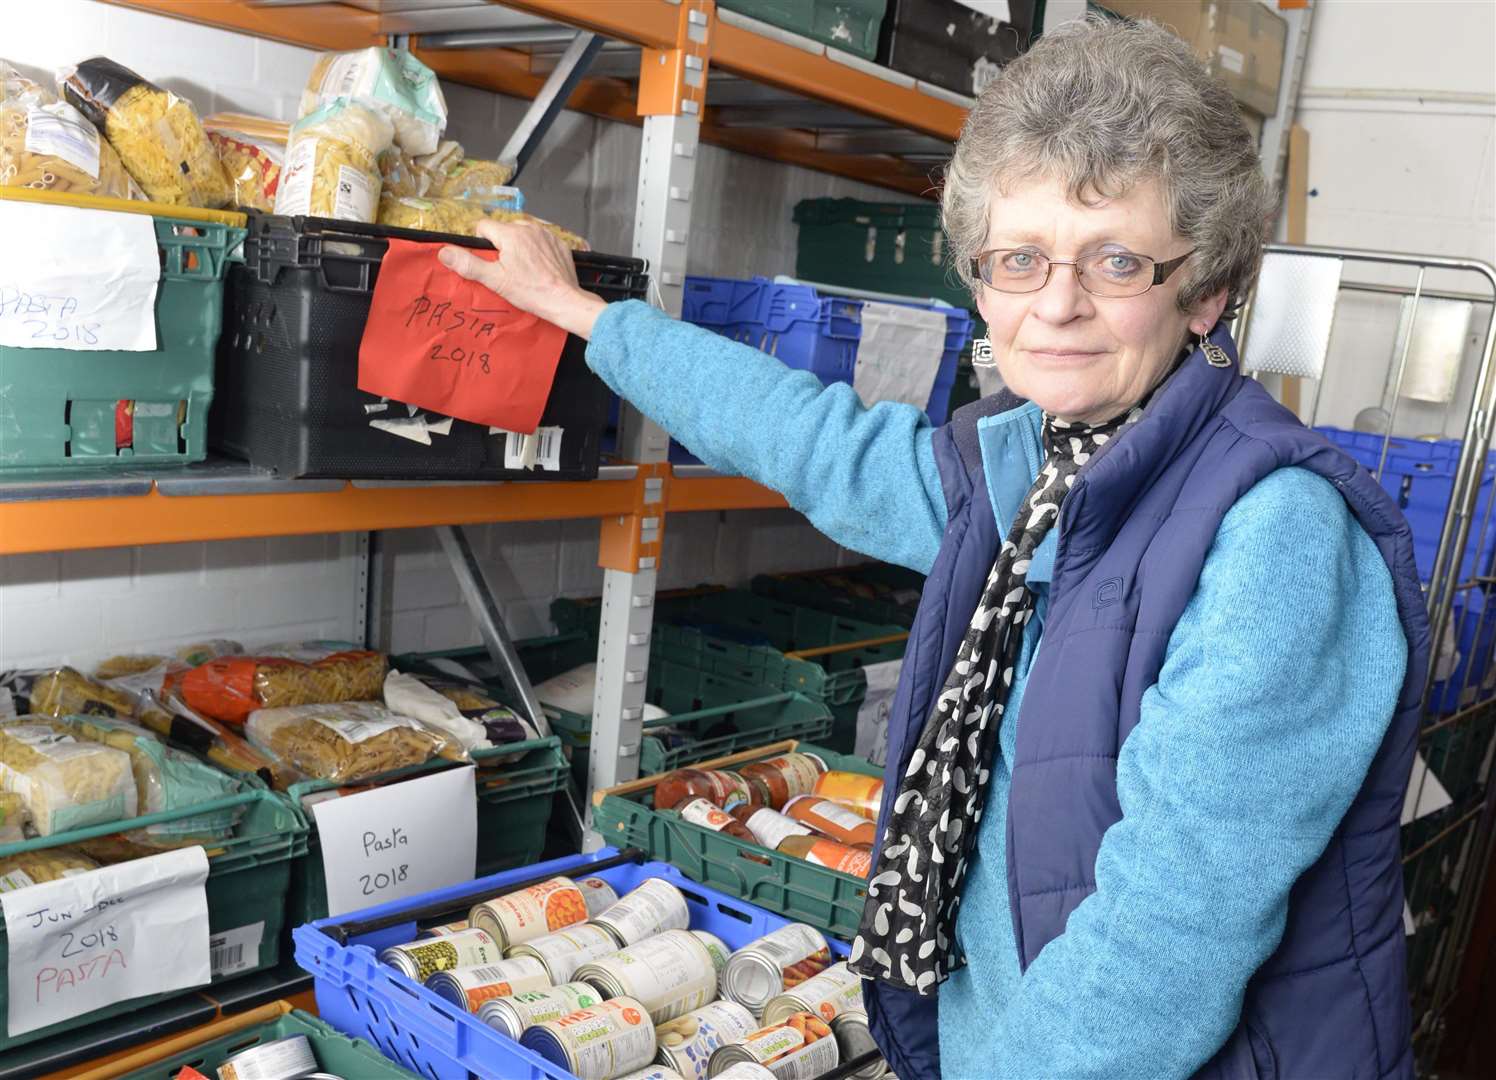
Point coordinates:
[[1332, 1000]]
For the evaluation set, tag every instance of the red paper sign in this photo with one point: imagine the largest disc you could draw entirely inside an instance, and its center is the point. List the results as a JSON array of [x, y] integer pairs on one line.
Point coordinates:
[[443, 343]]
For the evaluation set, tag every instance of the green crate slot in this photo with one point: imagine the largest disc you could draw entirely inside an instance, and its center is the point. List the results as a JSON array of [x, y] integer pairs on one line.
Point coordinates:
[[249, 878], [849, 25], [57, 408], [514, 808], [826, 899], [834, 591], [336, 1053]]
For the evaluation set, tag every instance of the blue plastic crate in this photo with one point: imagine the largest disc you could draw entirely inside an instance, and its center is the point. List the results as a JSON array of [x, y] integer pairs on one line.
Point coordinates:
[[1474, 620], [809, 330], [412, 1026], [1419, 475]]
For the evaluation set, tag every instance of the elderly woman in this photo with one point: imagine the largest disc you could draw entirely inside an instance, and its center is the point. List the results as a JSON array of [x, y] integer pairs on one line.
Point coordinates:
[[1147, 757]]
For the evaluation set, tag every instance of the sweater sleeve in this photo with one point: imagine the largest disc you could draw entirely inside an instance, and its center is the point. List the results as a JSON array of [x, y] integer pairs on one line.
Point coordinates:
[[1277, 688], [866, 477]]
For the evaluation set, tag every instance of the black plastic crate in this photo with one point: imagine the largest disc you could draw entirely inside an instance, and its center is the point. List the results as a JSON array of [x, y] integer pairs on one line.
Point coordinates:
[[287, 374], [951, 45]]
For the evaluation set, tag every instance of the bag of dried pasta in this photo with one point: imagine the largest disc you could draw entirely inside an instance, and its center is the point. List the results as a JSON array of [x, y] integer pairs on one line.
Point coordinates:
[[456, 216], [392, 82], [348, 741], [158, 135], [165, 779], [470, 177], [401, 176], [27, 868], [231, 687], [12, 817], [332, 164], [65, 782], [252, 165], [566, 236], [48, 145], [63, 690]]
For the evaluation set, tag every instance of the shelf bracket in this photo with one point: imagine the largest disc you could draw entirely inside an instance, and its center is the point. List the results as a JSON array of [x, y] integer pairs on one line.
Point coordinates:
[[485, 609], [550, 101]]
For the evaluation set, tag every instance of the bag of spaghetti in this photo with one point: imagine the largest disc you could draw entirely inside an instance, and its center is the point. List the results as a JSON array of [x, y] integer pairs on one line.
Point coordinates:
[[229, 688], [456, 216], [351, 740], [393, 83], [332, 164], [48, 145], [253, 152], [66, 783], [158, 135], [165, 779]]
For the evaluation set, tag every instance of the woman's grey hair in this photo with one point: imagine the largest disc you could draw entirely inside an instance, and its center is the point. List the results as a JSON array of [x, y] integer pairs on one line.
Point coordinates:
[[1102, 105]]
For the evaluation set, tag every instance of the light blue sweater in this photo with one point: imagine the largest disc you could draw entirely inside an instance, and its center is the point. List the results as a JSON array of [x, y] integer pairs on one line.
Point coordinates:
[[1279, 682]]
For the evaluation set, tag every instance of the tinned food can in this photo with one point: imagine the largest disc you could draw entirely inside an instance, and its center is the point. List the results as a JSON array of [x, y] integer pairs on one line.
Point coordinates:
[[687, 1043], [719, 951], [597, 894], [766, 968], [671, 973], [853, 1040], [470, 987], [517, 917], [653, 1072], [835, 991], [283, 1059], [566, 950], [444, 930], [801, 1048], [652, 908], [606, 1040], [420, 960], [513, 1014], [744, 1070]]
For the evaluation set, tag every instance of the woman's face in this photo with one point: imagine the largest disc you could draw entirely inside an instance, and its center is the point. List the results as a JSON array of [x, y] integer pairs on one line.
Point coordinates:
[[1077, 356]]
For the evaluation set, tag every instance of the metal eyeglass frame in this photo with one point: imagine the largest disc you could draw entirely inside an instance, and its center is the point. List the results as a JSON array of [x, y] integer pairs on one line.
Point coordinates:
[[1161, 270]]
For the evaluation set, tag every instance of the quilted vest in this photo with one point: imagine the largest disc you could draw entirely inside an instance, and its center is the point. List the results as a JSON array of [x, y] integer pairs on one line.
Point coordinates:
[[1132, 538]]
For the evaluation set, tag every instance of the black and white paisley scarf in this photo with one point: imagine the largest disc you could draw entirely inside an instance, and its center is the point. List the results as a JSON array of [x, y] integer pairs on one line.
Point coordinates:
[[908, 923]]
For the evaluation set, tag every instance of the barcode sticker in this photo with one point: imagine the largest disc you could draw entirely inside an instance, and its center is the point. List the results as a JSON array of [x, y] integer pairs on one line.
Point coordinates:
[[236, 950], [542, 450]]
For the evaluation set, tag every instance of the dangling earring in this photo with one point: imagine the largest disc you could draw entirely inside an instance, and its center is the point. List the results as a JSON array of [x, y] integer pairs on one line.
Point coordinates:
[[981, 352], [1215, 356]]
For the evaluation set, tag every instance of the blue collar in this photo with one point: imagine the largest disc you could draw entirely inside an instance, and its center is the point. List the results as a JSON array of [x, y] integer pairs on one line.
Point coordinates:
[[1012, 448]]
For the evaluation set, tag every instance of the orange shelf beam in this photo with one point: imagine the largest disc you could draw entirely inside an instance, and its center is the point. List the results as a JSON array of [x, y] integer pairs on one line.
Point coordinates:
[[315, 26], [684, 494], [73, 524], [650, 23]]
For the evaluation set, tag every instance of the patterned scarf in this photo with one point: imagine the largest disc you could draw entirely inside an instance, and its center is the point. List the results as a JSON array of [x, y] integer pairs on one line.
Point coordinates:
[[907, 932]]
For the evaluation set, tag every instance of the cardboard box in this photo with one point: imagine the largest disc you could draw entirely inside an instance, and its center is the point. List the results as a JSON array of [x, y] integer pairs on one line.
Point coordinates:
[[1243, 42]]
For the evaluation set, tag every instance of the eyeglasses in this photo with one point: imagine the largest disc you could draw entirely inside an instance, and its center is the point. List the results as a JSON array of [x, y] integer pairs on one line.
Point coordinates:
[[1100, 273]]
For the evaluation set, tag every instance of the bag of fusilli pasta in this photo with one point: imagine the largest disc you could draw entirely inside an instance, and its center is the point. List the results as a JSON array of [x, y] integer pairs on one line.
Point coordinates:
[[158, 135], [48, 145], [332, 164]]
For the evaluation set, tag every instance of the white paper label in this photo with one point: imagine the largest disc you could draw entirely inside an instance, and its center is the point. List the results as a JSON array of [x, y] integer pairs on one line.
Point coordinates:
[[872, 715], [899, 354], [1232, 60], [77, 279], [542, 450], [60, 131], [1408, 925], [357, 731], [106, 936], [355, 197], [294, 195], [1425, 794], [398, 841], [771, 828], [236, 950]]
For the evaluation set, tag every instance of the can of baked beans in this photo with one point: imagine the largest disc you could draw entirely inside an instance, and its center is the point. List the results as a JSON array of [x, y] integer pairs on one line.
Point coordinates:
[[517, 917], [853, 1039], [744, 1070], [566, 950], [801, 1048], [671, 973], [470, 987], [835, 991], [776, 962], [687, 1043], [597, 1043], [420, 960], [512, 1015], [283, 1059], [597, 894], [652, 908], [653, 1072], [444, 930]]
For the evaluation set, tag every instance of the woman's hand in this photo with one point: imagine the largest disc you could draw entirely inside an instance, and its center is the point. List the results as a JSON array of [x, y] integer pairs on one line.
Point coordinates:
[[534, 272]]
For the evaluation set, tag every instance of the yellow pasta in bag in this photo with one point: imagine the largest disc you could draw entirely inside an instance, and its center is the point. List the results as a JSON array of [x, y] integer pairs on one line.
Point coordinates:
[[436, 215], [157, 134], [48, 145], [332, 164]]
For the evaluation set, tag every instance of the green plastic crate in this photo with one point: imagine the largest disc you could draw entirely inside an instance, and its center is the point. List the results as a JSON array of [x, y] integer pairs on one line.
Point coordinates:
[[723, 714], [764, 630], [849, 25], [827, 899], [337, 1054], [57, 406], [249, 877], [842, 591], [514, 808]]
